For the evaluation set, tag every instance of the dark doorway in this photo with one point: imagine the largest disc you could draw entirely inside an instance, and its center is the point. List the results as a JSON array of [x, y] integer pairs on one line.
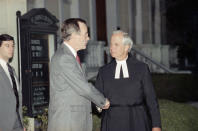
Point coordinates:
[[101, 20]]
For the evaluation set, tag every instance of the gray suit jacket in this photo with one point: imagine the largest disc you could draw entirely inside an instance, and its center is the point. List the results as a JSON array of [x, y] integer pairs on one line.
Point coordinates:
[[8, 103], [70, 94]]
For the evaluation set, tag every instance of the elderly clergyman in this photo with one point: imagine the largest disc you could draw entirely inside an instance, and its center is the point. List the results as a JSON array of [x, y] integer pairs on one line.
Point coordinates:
[[127, 83]]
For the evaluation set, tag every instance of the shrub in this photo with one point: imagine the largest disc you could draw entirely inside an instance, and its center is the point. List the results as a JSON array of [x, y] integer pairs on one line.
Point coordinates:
[[40, 120], [25, 118], [43, 120], [176, 87]]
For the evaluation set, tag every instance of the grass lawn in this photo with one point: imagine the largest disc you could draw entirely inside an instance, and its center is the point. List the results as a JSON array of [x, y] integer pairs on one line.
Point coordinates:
[[178, 116], [174, 117]]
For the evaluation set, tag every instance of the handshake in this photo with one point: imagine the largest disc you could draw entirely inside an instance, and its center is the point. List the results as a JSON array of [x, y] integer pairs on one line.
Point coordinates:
[[106, 106]]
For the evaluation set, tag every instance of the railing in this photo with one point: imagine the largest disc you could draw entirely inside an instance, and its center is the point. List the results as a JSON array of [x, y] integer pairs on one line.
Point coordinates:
[[94, 59], [154, 66]]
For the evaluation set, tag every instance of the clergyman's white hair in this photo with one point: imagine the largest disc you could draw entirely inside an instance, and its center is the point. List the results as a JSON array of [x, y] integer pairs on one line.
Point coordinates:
[[126, 38]]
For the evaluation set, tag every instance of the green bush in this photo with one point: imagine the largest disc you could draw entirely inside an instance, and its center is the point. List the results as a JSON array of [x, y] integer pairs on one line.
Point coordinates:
[[25, 118], [43, 120], [174, 117]]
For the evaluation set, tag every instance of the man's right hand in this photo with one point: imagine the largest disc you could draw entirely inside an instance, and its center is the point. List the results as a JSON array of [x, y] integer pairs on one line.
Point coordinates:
[[107, 104]]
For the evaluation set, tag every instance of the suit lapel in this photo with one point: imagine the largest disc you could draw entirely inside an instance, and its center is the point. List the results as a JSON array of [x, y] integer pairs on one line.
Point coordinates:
[[5, 77], [68, 51]]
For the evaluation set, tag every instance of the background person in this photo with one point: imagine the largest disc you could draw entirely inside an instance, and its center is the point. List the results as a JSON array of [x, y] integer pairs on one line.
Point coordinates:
[[10, 91]]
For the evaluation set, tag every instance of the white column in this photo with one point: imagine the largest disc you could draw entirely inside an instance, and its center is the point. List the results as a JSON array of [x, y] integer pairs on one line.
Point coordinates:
[[92, 14], [131, 12], [138, 21], [35, 4], [130, 16], [39, 3], [157, 21], [111, 17], [60, 13], [60, 10], [75, 9]]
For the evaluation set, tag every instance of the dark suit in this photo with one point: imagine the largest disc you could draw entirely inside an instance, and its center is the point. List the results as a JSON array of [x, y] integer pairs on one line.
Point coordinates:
[[134, 105], [8, 115]]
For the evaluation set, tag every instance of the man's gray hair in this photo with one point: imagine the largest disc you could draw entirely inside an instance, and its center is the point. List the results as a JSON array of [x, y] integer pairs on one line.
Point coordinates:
[[126, 38], [70, 26]]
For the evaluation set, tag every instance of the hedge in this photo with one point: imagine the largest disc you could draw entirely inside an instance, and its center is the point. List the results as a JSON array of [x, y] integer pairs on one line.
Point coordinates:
[[176, 87]]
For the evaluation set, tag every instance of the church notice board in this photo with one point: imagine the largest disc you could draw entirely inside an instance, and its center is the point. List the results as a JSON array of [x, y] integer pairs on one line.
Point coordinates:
[[37, 30], [40, 72]]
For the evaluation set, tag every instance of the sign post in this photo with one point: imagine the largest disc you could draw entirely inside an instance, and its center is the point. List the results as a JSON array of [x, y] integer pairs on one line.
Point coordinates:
[[38, 35]]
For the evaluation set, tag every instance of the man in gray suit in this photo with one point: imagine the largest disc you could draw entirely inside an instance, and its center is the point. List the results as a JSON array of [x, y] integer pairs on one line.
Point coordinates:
[[10, 92], [70, 93]]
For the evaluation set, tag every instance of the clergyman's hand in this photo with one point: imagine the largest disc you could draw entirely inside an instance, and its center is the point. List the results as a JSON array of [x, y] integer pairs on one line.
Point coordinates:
[[156, 129], [107, 104]]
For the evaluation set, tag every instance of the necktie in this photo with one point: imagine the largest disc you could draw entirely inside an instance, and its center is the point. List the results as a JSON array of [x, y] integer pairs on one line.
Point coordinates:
[[14, 86], [78, 59]]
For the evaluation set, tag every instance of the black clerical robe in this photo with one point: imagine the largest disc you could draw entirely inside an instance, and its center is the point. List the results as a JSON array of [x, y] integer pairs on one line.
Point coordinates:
[[134, 105]]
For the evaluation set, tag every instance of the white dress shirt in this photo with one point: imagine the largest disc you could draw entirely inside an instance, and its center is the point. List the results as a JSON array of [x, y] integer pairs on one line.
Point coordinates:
[[5, 68], [124, 68]]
